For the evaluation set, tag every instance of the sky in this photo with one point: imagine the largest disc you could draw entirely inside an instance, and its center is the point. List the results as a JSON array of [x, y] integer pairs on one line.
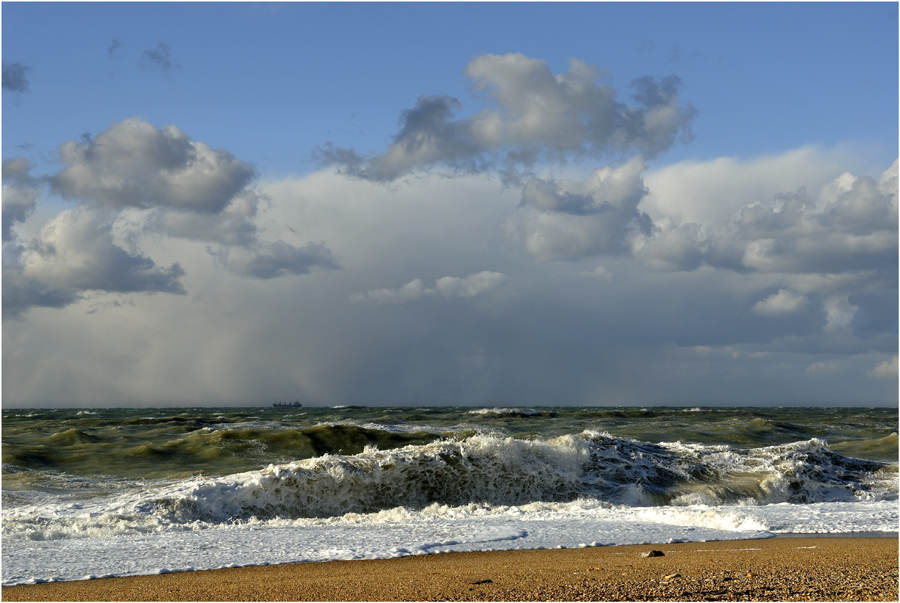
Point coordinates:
[[494, 204]]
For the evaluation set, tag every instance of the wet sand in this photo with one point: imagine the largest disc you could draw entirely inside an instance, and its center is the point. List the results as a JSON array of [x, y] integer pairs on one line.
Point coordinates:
[[780, 569]]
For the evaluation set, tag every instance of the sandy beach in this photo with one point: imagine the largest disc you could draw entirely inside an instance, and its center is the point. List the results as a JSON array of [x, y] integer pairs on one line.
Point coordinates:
[[782, 569]]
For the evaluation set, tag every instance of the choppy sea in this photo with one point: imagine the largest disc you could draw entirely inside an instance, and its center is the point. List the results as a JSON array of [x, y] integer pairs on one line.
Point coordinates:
[[110, 492]]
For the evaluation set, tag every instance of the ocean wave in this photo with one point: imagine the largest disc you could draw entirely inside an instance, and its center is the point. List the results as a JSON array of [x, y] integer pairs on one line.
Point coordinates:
[[484, 469], [507, 412]]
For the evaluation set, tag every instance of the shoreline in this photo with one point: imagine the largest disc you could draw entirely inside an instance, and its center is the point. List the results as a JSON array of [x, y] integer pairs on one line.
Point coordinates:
[[836, 535], [798, 567]]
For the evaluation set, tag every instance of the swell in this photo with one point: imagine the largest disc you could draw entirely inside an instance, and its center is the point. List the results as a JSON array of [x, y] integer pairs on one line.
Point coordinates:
[[216, 450]]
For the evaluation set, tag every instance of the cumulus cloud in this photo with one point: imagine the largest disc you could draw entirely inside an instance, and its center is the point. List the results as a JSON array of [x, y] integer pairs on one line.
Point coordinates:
[[159, 57], [707, 192], [528, 114], [448, 286], [839, 313], [428, 135], [570, 219], [829, 253], [271, 260], [20, 192], [152, 180], [777, 304], [15, 77], [886, 369], [548, 332], [849, 226], [136, 164], [75, 253], [190, 190], [469, 286]]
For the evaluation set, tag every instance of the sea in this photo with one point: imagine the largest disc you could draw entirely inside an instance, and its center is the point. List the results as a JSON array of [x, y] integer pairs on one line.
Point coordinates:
[[90, 493]]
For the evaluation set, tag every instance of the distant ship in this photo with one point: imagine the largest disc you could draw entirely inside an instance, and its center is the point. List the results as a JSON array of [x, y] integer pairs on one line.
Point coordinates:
[[287, 404]]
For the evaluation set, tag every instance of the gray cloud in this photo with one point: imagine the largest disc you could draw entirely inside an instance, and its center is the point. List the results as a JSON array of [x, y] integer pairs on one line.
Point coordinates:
[[20, 192], [428, 136], [830, 256], [233, 225], [136, 164], [657, 122], [15, 77], [114, 47], [271, 260], [73, 254], [571, 219], [148, 180], [849, 226], [529, 114], [159, 57], [622, 334], [190, 190]]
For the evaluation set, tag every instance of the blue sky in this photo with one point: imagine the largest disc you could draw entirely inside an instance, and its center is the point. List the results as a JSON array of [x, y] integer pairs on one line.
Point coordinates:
[[587, 203]]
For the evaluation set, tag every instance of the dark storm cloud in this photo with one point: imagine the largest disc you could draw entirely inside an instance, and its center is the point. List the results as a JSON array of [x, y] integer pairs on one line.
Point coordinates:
[[15, 77], [160, 58], [529, 114]]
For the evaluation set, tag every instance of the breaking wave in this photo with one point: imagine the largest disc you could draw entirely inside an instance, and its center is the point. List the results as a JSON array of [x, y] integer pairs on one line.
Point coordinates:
[[483, 469]]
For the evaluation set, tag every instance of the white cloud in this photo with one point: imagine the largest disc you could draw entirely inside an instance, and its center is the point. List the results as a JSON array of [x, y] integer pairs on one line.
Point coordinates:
[[777, 304], [570, 219], [801, 233], [839, 312], [709, 192], [136, 164], [886, 369], [470, 286], [448, 286], [530, 114], [146, 180]]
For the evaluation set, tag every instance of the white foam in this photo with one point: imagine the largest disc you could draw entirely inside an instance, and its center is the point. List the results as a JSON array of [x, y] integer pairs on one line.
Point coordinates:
[[401, 532], [485, 492]]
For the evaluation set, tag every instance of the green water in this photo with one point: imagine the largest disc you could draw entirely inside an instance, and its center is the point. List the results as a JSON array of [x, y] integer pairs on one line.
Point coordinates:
[[43, 447]]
